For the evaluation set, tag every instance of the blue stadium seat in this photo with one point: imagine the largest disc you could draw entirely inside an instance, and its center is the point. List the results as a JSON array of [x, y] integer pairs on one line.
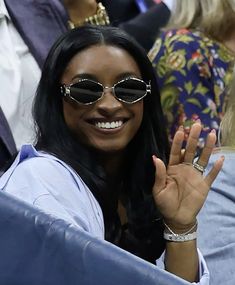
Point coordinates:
[[38, 249]]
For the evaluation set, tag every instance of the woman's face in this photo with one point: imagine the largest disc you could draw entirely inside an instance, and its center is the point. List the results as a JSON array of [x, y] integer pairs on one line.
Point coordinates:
[[107, 125]]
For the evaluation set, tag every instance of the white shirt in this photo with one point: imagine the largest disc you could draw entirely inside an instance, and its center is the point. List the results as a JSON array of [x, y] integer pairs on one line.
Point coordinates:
[[169, 4], [19, 76]]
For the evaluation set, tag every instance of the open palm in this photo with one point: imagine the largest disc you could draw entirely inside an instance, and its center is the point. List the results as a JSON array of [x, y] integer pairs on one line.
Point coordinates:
[[180, 190]]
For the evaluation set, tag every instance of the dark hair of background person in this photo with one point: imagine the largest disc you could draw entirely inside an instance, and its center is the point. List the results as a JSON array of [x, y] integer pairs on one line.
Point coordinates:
[[138, 175]]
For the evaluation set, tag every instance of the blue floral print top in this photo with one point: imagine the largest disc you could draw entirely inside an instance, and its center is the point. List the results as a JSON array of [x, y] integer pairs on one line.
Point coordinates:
[[193, 73]]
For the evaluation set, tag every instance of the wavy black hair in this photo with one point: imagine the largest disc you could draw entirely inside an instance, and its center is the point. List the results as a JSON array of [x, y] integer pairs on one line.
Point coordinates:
[[53, 136]]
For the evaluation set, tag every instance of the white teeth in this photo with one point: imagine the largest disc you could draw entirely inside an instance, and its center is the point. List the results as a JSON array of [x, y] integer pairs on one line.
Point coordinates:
[[109, 125]]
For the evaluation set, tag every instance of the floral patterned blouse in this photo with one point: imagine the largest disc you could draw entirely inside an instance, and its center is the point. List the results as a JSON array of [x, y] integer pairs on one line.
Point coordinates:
[[193, 73]]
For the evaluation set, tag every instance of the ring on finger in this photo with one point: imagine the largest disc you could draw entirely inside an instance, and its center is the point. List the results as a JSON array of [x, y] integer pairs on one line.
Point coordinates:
[[199, 167]]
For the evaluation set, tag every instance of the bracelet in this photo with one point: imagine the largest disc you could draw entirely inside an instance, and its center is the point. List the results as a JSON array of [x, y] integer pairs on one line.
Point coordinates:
[[100, 18], [187, 236], [180, 237]]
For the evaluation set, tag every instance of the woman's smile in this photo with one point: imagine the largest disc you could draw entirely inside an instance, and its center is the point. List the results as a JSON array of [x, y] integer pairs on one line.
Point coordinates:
[[104, 124], [109, 125]]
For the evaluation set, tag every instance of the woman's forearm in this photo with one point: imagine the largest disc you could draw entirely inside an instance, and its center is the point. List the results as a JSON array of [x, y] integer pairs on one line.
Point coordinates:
[[181, 259]]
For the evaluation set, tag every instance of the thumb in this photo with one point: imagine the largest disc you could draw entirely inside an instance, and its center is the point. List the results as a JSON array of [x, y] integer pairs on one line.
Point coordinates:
[[160, 175]]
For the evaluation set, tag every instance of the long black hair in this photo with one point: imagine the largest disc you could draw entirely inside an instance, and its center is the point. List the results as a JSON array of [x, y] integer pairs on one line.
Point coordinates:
[[53, 135]]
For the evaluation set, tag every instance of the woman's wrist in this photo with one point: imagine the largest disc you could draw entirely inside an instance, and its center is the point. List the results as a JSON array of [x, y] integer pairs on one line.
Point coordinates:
[[179, 228], [180, 234]]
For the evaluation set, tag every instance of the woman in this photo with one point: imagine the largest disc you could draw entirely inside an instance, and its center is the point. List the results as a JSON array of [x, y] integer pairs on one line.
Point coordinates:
[[216, 219], [101, 152], [193, 59]]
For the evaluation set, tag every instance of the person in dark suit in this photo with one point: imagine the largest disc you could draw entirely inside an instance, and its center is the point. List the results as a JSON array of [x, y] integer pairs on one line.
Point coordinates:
[[7, 144]]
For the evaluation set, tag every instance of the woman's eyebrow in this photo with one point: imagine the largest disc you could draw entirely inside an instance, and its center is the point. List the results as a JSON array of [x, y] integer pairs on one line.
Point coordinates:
[[126, 75], [119, 77], [84, 76]]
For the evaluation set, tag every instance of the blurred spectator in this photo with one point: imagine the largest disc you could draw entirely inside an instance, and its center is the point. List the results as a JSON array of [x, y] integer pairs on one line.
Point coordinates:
[[193, 59], [217, 218]]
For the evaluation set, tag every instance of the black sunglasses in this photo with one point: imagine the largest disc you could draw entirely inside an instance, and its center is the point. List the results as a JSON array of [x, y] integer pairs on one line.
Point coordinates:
[[86, 91]]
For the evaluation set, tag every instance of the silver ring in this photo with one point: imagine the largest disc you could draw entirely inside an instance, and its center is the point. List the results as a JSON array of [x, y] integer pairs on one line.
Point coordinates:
[[199, 167]]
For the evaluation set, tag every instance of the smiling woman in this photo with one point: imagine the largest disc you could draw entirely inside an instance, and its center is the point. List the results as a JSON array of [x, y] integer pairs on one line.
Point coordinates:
[[109, 125], [100, 157]]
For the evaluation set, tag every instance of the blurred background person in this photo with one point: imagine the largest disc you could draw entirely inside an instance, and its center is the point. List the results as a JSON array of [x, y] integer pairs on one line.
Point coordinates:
[[217, 218], [193, 59]]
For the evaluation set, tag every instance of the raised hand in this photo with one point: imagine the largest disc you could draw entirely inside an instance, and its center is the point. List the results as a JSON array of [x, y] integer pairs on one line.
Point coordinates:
[[180, 189]]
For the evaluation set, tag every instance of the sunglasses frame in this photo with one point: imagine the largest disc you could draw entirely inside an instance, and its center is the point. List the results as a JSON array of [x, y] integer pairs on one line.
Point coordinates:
[[66, 90]]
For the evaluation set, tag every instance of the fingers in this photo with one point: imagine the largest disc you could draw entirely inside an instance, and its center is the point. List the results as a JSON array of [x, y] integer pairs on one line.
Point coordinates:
[[207, 150], [191, 147], [187, 157], [209, 179], [192, 142], [176, 154], [160, 175]]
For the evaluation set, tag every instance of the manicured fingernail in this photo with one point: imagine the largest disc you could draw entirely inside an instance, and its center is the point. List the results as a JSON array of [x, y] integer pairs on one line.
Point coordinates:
[[213, 131], [198, 121], [154, 158]]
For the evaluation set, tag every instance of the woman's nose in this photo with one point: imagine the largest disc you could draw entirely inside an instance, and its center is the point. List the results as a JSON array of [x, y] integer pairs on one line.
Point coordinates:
[[108, 102]]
